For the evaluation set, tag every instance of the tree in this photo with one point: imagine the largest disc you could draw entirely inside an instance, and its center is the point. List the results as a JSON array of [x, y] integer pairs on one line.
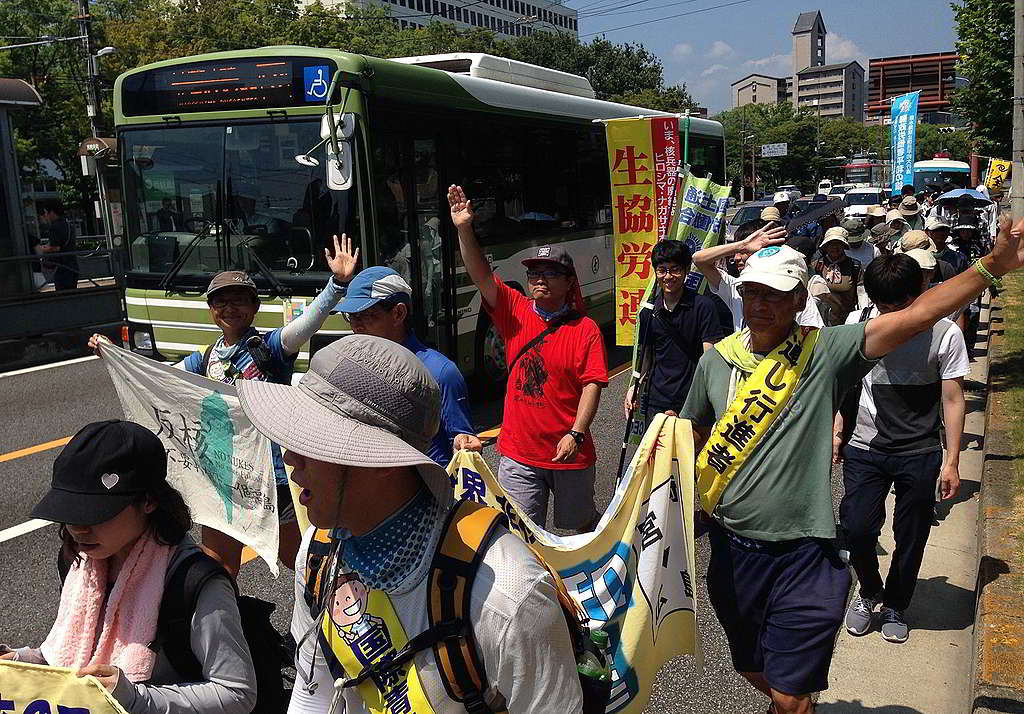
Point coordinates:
[[985, 44], [931, 141]]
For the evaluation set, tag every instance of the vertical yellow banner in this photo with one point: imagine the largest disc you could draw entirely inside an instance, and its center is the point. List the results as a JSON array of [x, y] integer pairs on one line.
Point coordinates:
[[634, 213]]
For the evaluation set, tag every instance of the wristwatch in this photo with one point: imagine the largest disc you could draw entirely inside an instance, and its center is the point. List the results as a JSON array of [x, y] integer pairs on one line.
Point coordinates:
[[577, 437]]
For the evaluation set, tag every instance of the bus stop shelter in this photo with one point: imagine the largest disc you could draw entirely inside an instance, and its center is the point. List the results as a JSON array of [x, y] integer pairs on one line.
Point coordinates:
[[36, 323]]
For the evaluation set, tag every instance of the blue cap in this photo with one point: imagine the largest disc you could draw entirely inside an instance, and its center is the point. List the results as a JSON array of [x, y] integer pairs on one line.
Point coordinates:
[[371, 286]]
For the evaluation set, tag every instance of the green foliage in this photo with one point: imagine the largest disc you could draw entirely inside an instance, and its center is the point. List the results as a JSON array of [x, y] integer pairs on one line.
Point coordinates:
[[145, 31], [931, 141], [985, 44]]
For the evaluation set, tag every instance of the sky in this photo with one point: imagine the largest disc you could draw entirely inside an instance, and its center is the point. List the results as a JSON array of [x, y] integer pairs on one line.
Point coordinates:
[[711, 48]]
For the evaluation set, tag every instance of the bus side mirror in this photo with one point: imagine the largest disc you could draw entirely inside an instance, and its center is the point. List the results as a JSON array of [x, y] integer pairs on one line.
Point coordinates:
[[339, 166], [344, 125]]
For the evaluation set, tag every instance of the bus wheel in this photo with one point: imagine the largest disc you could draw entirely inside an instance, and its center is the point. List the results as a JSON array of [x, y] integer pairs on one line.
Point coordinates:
[[491, 368]]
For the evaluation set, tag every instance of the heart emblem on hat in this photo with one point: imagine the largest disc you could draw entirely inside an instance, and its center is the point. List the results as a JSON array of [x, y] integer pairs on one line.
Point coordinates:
[[109, 480]]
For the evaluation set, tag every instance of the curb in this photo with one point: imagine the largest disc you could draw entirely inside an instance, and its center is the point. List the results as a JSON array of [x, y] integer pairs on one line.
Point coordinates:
[[998, 667]]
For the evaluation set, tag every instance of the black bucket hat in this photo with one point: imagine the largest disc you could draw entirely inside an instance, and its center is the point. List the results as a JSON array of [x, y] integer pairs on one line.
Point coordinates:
[[105, 467]]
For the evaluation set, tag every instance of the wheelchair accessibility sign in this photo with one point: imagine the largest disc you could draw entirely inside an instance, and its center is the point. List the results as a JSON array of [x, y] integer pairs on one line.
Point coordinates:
[[316, 80]]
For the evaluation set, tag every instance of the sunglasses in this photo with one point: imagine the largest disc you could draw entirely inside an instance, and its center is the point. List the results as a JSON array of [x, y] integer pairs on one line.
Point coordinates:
[[661, 271], [547, 274]]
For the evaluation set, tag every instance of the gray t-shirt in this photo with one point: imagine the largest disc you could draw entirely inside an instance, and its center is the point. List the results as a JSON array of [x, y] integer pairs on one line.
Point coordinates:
[[784, 490]]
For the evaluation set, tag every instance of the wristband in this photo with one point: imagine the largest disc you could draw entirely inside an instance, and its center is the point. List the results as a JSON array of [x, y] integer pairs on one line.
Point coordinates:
[[578, 437], [985, 273]]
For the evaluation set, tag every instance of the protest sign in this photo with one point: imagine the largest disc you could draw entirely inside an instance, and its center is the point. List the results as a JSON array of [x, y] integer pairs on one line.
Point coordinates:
[[635, 575], [904, 140], [38, 689], [643, 162], [216, 459]]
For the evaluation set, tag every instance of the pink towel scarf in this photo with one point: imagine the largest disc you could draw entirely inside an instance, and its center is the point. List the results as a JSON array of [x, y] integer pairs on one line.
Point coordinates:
[[119, 632]]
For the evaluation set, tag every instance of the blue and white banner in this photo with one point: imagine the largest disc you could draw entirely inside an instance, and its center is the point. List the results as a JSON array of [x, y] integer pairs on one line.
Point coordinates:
[[904, 140]]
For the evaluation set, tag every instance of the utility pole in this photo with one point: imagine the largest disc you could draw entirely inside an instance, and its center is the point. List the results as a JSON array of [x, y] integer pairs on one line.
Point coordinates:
[[92, 76], [1017, 175]]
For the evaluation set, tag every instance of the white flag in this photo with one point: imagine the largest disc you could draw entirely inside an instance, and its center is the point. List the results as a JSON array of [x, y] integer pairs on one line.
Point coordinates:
[[216, 459]]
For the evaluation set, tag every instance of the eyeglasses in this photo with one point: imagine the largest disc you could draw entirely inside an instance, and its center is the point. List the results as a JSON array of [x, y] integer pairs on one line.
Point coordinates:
[[772, 297], [675, 271], [220, 303], [546, 274]]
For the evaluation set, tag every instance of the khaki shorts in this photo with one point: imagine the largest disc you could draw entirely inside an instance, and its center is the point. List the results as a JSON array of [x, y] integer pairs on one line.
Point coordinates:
[[530, 486]]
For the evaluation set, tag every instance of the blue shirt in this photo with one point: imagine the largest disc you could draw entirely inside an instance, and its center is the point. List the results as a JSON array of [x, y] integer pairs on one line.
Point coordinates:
[[455, 418], [239, 364]]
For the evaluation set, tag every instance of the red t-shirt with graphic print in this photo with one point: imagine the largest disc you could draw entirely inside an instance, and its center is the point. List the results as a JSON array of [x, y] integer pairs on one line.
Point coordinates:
[[545, 385]]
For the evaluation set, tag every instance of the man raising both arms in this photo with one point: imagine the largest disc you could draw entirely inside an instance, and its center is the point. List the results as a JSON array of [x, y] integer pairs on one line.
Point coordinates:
[[557, 369], [762, 403]]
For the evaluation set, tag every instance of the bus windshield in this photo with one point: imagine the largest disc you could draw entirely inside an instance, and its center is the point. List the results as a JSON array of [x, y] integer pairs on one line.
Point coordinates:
[[938, 177], [238, 192]]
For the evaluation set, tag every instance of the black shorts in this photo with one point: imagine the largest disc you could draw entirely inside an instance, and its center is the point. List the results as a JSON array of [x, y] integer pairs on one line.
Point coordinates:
[[781, 606]]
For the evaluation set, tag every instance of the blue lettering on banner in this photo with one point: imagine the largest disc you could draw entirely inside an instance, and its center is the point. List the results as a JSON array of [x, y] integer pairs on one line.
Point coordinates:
[[316, 80], [603, 587], [904, 139]]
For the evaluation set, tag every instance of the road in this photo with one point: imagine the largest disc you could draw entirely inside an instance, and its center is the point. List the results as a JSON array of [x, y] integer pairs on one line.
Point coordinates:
[[50, 404]]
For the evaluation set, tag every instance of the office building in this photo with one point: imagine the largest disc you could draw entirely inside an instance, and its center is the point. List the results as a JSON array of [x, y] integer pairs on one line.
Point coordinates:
[[507, 18], [934, 74]]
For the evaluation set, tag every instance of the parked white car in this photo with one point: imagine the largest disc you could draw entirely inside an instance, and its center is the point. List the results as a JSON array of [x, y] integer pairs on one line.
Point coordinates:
[[857, 200], [793, 191]]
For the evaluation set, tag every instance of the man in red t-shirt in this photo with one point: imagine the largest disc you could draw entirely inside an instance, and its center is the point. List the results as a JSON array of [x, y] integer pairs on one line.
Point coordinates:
[[553, 387]]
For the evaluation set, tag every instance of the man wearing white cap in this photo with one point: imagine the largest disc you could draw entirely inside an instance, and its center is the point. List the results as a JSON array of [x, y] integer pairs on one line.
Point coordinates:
[[762, 404], [750, 238], [782, 202]]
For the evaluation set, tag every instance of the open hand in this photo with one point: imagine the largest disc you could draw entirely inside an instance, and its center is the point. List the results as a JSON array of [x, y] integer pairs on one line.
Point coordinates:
[[1008, 252], [762, 239], [461, 207], [343, 262], [105, 674]]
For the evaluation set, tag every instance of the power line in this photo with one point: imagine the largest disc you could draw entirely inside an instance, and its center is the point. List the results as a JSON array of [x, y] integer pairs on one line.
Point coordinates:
[[668, 17], [612, 10]]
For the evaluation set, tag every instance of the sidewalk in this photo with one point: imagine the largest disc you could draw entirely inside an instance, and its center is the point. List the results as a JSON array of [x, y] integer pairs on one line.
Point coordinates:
[[931, 673]]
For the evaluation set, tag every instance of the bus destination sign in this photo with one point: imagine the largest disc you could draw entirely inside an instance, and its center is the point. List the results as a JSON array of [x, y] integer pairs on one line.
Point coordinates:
[[225, 85]]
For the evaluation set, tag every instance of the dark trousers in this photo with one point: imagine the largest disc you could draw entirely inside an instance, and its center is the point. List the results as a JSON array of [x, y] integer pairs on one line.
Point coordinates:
[[867, 477]]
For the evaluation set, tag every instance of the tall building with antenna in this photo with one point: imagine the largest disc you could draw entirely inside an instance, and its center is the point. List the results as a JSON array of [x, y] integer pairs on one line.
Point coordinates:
[[507, 18]]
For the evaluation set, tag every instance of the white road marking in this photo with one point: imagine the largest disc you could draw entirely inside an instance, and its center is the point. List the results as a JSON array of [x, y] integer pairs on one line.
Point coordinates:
[[20, 530], [41, 367]]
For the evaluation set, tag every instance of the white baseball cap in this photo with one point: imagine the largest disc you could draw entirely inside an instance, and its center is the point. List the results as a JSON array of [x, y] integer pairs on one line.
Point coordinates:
[[777, 266], [935, 222], [924, 258], [780, 197]]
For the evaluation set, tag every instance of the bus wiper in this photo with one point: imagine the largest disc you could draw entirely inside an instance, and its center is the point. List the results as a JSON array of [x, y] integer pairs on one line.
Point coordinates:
[[167, 282], [276, 285]]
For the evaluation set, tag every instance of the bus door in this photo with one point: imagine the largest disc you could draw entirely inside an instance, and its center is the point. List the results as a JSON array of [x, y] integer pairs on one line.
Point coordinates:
[[410, 212]]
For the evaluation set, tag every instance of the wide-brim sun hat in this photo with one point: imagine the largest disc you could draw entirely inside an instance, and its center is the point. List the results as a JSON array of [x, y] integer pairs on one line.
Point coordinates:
[[924, 258], [365, 401], [836, 234]]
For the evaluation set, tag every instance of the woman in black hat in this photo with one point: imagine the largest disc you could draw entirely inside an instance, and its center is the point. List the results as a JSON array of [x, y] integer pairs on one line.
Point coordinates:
[[124, 533]]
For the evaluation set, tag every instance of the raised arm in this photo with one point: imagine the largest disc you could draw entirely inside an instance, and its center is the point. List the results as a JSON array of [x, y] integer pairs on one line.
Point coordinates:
[[343, 265], [887, 332], [476, 264], [705, 260]]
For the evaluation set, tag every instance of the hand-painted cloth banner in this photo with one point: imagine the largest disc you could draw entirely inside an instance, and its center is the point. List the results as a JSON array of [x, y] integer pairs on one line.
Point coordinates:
[[702, 207], [635, 575], [904, 140], [37, 689], [215, 457], [643, 161], [998, 173]]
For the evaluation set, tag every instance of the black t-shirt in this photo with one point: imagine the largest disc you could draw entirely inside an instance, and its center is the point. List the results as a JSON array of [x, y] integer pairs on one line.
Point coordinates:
[[678, 339], [62, 236]]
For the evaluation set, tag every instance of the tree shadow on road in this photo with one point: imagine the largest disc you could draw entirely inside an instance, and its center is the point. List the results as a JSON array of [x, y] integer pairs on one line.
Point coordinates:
[[858, 707], [938, 605]]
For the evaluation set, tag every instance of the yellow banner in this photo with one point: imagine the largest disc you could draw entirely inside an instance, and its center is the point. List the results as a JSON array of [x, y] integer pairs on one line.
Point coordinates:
[[998, 173], [634, 215], [35, 689], [635, 576]]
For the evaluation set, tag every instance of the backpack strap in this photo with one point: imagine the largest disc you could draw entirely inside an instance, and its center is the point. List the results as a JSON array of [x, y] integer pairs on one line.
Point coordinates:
[[204, 364], [552, 326], [178, 605], [468, 529]]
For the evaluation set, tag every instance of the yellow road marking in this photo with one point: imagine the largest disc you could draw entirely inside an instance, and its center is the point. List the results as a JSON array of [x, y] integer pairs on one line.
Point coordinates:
[[56, 443]]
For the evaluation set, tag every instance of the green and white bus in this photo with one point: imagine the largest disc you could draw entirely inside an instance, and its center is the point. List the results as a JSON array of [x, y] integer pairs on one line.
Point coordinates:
[[228, 163]]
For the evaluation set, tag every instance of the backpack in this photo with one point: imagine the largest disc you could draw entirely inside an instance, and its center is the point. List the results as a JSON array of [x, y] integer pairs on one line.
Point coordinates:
[[174, 628], [468, 529]]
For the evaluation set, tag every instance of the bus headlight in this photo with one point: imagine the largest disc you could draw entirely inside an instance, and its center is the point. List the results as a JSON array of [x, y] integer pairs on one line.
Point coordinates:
[[142, 340]]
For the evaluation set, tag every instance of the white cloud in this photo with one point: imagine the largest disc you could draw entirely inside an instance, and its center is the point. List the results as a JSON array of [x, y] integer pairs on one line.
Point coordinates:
[[842, 49], [775, 65], [681, 50], [713, 69], [719, 49]]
